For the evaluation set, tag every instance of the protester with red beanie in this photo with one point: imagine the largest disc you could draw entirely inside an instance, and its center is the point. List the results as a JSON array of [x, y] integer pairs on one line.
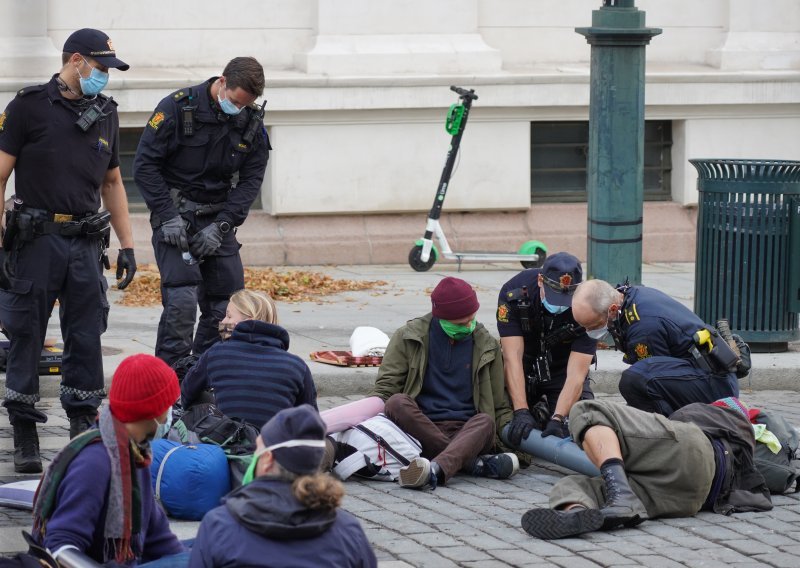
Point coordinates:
[[96, 496], [442, 380]]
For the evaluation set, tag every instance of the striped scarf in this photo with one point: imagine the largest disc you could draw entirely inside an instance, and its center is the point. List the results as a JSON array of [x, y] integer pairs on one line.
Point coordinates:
[[123, 501]]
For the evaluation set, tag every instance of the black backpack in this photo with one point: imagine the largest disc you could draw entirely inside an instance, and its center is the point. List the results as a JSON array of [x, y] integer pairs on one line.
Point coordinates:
[[205, 424], [780, 470]]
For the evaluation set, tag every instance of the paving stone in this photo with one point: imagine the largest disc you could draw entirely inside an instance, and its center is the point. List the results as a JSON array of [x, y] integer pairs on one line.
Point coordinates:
[[779, 559], [606, 557], [716, 533], [428, 560], [748, 547], [655, 561], [574, 562], [462, 553]]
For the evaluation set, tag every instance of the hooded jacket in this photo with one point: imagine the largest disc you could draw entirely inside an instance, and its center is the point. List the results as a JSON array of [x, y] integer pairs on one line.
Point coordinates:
[[403, 370], [263, 524], [252, 374]]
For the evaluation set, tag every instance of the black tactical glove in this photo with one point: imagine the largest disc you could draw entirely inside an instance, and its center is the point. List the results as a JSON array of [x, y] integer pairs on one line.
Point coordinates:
[[206, 242], [126, 264], [556, 428], [744, 365], [174, 233], [521, 426]]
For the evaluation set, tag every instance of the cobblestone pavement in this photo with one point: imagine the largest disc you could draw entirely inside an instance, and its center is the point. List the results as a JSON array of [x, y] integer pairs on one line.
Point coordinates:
[[475, 522]]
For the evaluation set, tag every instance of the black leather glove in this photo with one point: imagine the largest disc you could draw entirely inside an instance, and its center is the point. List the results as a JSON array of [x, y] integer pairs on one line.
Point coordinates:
[[206, 241], [174, 233], [745, 364], [126, 264], [521, 426], [555, 428]]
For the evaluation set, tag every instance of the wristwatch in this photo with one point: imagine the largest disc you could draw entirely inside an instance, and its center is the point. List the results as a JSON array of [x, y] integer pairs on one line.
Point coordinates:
[[558, 418], [224, 227]]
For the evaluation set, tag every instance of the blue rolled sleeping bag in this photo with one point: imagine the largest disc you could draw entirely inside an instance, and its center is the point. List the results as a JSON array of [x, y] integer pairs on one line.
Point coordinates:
[[189, 480]]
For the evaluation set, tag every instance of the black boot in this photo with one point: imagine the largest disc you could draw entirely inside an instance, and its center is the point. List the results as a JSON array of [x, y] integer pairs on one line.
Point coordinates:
[[26, 447], [81, 423], [550, 524], [623, 507]]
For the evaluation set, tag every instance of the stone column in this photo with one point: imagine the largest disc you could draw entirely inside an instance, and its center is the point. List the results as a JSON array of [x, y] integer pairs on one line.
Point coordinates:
[[761, 35], [388, 37], [25, 49]]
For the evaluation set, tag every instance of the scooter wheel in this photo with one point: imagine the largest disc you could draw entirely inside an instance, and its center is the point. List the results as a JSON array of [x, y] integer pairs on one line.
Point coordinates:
[[538, 264], [415, 259]]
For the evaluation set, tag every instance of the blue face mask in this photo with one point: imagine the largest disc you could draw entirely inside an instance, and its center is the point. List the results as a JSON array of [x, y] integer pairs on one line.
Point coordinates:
[[163, 429], [94, 83], [553, 309], [226, 105]]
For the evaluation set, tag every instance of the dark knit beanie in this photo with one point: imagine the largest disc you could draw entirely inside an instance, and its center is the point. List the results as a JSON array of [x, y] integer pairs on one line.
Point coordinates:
[[453, 299], [299, 423], [143, 387]]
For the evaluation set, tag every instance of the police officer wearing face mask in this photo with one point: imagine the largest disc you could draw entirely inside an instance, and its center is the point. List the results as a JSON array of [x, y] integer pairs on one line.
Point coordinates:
[[62, 141], [675, 358], [546, 354], [199, 166]]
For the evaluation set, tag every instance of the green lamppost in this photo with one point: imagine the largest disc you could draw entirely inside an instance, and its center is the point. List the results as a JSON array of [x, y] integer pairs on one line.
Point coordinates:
[[615, 181]]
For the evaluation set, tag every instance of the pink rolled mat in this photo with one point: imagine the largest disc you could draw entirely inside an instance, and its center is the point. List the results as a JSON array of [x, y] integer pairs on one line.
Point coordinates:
[[348, 415]]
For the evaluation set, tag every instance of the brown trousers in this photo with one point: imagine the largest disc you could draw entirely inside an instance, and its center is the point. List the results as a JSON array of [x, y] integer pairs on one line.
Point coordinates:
[[452, 444]]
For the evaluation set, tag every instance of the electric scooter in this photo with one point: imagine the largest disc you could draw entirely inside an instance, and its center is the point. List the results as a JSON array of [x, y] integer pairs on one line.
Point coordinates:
[[424, 253]]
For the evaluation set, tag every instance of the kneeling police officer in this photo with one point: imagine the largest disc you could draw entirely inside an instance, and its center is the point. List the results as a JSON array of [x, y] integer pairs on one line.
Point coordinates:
[[62, 141], [199, 167], [546, 354]]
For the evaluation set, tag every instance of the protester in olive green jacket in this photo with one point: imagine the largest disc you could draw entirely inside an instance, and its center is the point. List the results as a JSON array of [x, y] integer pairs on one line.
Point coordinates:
[[442, 380]]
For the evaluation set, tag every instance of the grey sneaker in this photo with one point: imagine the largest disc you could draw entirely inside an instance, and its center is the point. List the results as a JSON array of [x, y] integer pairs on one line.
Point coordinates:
[[497, 466], [418, 474]]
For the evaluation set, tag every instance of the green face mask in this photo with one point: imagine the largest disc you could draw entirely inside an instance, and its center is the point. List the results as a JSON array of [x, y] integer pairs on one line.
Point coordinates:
[[457, 331], [251, 469]]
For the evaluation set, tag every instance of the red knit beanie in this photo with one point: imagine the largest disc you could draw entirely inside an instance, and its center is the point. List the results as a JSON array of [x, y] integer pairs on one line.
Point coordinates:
[[143, 387], [453, 299]]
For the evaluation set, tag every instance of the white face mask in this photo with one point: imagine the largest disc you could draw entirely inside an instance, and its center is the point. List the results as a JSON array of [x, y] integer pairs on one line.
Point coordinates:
[[163, 429], [597, 334]]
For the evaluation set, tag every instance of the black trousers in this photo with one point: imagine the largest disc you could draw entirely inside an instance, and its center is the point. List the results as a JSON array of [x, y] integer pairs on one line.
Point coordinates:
[[68, 269], [208, 284]]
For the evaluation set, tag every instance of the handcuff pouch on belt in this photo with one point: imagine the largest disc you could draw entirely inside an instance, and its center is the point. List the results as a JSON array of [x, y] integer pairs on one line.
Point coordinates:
[[185, 205], [712, 353]]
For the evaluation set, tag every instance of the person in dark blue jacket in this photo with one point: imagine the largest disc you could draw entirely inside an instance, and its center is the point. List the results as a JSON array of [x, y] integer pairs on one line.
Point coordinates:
[[287, 512], [656, 335], [252, 374]]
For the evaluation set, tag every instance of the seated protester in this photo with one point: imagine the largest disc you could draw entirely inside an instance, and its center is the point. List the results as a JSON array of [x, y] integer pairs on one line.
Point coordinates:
[[90, 498], [701, 458], [251, 372], [442, 380], [286, 513]]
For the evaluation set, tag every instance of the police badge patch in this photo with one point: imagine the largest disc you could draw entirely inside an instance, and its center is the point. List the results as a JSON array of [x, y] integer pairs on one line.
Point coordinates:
[[502, 313], [156, 120], [642, 352], [2, 121]]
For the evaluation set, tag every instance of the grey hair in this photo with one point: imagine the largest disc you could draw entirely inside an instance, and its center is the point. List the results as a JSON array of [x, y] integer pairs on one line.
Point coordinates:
[[598, 295]]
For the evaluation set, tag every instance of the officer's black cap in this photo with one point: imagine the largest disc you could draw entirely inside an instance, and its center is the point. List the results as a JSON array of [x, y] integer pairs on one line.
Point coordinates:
[[561, 274], [94, 44]]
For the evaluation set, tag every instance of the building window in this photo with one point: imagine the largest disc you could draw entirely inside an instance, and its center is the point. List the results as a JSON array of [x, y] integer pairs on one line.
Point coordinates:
[[128, 141], [559, 153]]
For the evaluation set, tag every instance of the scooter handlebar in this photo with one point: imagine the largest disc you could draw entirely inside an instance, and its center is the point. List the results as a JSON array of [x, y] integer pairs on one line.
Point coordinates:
[[464, 93]]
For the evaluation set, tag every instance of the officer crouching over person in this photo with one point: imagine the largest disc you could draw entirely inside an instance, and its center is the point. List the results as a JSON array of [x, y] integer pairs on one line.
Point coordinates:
[[546, 354], [62, 141], [199, 166], [676, 358]]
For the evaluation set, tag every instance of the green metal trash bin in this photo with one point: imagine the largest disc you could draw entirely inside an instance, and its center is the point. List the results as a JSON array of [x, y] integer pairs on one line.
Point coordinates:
[[747, 268]]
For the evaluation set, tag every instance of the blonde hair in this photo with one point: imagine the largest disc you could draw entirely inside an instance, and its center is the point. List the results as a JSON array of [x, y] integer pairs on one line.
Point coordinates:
[[255, 305]]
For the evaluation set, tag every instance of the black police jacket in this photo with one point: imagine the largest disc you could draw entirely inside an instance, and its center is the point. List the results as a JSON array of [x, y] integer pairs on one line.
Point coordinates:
[[652, 323], [541, 321], [201, 164]]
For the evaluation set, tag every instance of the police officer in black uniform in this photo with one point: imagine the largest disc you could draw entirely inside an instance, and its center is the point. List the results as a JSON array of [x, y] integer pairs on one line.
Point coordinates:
[[676, 358], [199, 166], [62, 141], [546, 354]]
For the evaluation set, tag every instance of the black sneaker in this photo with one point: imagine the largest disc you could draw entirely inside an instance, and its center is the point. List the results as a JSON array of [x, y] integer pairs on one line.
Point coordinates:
[[550, 524], [418, 474], [497, 466]]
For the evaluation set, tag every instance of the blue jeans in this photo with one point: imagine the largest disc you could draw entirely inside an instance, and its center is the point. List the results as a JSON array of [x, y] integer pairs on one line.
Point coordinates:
[[173, 561]]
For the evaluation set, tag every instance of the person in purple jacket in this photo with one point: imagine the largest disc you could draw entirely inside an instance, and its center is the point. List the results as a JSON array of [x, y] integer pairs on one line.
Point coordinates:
[[96, 497], [286, 513]]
